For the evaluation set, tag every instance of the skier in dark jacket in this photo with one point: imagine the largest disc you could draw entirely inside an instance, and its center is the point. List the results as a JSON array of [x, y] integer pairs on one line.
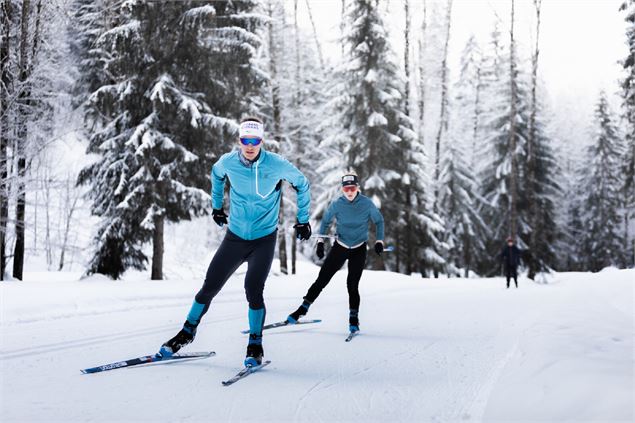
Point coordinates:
[[352, 212], [255, 176], [510, 257]]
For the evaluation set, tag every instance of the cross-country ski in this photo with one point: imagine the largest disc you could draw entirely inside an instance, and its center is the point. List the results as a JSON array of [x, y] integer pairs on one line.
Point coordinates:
[[246, 371], [148, 359]]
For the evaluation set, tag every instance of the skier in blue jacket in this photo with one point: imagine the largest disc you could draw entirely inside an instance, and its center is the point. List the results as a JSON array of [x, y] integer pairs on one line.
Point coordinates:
[[352, 212], [254, 176]]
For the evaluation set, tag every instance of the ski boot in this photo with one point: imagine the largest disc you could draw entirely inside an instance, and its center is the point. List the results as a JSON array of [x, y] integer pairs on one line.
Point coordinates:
[[301, 311], [353, 321], [254, 351], [184, 337]]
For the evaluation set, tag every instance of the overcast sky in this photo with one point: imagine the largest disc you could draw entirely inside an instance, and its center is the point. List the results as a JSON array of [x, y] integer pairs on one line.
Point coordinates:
[[581, 41]]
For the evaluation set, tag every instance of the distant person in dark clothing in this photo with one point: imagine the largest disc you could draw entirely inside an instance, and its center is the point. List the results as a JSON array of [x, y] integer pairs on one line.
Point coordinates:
[[510, 256]]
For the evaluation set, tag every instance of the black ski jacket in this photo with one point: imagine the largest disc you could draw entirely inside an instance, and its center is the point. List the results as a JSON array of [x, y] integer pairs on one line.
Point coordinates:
[[510, 256]]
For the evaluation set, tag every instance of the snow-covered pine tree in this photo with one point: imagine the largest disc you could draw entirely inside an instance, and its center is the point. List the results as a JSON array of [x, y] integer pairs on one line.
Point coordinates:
[[426, 226], [505, 135], [540, 170], [628, 104], [602, 244], [541, 174], [90, 19], [443, 106], [466, 120], [458, 196], [302, 108], [273, 108], [163, 125], [426, 252], [376, 133], [465, 229], [572, 228]]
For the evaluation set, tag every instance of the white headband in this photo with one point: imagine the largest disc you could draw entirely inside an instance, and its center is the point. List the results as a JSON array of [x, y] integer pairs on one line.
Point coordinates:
[[251, 129]]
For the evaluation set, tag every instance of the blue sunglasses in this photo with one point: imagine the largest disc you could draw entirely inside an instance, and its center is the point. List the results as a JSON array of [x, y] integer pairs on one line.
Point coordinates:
[[252, 141]]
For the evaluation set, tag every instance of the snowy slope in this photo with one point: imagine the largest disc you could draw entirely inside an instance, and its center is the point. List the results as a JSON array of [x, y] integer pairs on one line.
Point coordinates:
[[431, 350]]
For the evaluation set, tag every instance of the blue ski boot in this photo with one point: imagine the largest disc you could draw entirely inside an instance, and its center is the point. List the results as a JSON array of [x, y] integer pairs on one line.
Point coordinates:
[[254, 351], [301, 311], [353, 321], [184, 337]]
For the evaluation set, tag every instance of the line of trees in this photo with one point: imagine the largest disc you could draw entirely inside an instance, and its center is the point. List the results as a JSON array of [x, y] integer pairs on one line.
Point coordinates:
[[457, 163]]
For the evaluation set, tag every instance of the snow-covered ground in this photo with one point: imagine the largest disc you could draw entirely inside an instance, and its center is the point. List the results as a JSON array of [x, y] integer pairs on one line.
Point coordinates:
[[431, 350]]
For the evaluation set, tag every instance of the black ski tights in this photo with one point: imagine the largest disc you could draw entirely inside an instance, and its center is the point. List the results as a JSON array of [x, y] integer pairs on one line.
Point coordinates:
[[510, 272], [334, 261]]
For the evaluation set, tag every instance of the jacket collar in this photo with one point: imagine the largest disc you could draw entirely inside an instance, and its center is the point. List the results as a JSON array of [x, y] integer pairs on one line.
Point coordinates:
[[249, 163], [355, 200]]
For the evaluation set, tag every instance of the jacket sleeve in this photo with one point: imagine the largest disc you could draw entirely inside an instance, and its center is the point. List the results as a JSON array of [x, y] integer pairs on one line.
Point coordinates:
[[378, 219], [300, 184], [327, 219], [219, 176]]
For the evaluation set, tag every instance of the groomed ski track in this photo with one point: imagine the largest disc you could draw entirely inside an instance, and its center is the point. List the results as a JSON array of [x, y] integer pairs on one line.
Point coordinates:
[[431, 350]]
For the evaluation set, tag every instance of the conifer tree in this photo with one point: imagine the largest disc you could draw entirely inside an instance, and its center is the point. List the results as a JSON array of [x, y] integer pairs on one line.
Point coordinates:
[[465, 229], [162, 125], [602, 244], [374, 133]]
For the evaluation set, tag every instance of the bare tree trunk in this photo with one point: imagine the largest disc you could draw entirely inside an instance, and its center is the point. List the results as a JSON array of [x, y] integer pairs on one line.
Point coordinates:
[[317, 41], [467, 253], [443, 120], [5, 84], [20, 144], [513, 186], [407, 193], [47, 217], [157, 247], [342, 26], [477, 116], [70, 202], [534, 265], [296, 100], [406, 57], [277, 130], [296, 97], [422, 81]]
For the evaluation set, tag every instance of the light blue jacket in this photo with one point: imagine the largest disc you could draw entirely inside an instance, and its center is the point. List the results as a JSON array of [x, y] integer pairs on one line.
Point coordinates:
[[352, 219], [254, 192]]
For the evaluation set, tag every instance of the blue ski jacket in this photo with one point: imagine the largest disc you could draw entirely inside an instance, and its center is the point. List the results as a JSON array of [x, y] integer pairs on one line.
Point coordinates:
[[254, 192], [352, 219]]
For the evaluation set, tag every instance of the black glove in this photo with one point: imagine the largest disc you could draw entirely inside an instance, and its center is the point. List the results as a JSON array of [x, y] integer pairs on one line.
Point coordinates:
[[303, 231], [219, 217], [379, 248], [320, 250]]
